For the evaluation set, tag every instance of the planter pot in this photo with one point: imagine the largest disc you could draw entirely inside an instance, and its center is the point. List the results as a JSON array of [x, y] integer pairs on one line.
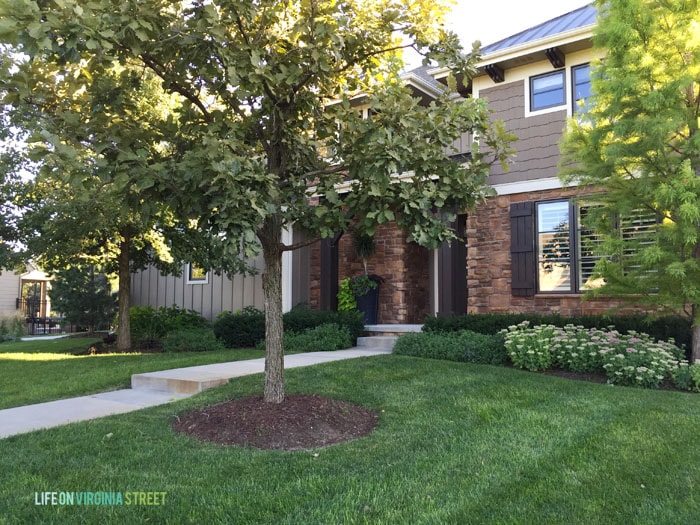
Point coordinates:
[[368, 303]]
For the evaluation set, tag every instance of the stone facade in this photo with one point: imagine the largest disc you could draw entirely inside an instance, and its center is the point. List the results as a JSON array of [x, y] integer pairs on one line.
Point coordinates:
[[404, 297], [489, 264]]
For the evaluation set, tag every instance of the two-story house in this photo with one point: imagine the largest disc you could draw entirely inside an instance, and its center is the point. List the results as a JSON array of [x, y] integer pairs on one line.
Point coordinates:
[[522, 250]]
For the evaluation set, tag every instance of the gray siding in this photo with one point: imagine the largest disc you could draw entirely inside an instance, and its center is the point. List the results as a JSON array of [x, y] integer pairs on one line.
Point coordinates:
[[220, 293], [537, 150]]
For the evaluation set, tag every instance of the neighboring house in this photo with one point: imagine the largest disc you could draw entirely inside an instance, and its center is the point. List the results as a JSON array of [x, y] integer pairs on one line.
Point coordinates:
[[521, 251], [26, 294]]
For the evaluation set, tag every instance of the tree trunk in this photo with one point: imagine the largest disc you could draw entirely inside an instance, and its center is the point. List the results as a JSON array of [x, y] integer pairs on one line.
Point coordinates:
[[695, 331], [124, 334], [270, 237]]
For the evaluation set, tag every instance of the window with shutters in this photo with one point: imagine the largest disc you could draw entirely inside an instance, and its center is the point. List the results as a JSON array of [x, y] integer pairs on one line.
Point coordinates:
[[552, 251]]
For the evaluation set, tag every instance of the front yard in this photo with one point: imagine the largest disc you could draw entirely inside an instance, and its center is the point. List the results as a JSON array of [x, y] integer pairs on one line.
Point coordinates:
[[456, 443], [46, 370]]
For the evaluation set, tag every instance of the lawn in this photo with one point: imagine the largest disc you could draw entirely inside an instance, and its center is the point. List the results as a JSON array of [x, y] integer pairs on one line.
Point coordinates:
[[46, 370], [456, 443]]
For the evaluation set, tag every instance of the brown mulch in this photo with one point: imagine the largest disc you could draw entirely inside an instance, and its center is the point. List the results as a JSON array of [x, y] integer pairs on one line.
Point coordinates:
[[300, 422]]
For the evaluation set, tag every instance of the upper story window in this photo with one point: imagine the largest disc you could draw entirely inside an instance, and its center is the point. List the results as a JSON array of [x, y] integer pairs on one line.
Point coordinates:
[[581, 87], [547, 90]]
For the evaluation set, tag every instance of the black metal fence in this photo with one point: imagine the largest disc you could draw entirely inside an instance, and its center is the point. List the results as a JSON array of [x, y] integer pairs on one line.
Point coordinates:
[[38, 323]]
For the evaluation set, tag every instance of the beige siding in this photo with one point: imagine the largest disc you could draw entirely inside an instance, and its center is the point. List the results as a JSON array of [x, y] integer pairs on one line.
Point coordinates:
[[220, 293], [9, 292], [537, 148]]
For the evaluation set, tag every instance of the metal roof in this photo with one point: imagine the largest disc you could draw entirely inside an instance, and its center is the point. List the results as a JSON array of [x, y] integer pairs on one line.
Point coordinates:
[[580, 17]]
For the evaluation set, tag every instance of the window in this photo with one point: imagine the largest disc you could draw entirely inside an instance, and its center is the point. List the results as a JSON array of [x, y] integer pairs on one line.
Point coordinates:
[[196, 274], [581, 87], [552, 251], [547, 90]]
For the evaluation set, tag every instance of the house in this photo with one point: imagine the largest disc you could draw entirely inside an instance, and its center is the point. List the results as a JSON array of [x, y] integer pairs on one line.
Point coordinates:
[[26, 294], [522, 250]]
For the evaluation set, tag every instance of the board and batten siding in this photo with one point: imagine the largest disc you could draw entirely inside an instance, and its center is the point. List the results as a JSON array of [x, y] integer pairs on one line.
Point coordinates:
[[220, 292]]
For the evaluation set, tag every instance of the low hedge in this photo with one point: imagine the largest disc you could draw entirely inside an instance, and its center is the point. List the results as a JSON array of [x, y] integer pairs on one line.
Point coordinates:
[[659, 328], [322, 338], [246, 328], [464, 345]]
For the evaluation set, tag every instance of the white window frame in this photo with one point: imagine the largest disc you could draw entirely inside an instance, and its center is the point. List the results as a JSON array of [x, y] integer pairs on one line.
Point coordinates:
[[188, 276]]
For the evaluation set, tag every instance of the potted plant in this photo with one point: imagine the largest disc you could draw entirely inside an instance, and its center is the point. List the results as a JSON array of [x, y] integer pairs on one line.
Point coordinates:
[[361, 293]]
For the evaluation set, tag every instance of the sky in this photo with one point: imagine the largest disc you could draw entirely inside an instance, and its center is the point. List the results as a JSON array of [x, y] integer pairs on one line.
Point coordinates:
[[492, 20]]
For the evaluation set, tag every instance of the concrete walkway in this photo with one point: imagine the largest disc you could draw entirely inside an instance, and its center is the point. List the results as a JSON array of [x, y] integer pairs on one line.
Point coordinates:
[[156, 388]]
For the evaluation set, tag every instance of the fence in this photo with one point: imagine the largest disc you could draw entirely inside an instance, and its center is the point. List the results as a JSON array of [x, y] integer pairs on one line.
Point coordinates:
[[37, 323]]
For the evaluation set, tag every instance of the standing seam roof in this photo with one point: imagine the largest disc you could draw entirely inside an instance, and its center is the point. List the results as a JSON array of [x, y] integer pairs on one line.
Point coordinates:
[[580, 17]]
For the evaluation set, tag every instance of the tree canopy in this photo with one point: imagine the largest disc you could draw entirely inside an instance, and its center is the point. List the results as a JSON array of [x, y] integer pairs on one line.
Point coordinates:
[[639, 145], [265, 124]]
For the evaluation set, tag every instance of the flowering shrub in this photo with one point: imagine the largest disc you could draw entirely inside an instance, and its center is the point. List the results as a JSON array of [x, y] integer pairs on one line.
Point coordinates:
[[636, 359], [631, 359], [530, 348]]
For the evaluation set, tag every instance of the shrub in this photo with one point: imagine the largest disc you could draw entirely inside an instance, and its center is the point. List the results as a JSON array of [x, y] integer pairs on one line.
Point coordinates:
[[322, 338], [242, 329], [301, 318], [12, 327], [530, 348], [626, 359], [636, 359], [192, 340], [456, 346], [687, 377], [148, 323], [659, 328]]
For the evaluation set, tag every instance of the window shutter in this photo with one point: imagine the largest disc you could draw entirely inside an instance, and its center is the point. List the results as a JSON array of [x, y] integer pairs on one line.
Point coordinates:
[[522, 249]]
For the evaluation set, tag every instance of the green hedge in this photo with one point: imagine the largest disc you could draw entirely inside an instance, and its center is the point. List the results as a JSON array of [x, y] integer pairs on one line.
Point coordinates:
[[463, 345], [322, 338], [660, 328], [246, 328], [192, 340], [149, 323]]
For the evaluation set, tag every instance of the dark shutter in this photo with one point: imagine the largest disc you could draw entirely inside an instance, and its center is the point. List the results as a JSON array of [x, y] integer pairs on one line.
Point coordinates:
[[522, 249]]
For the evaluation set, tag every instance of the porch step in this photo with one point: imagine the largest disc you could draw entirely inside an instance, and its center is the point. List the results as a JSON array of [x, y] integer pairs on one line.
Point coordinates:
[[392, 329], [385, 342]]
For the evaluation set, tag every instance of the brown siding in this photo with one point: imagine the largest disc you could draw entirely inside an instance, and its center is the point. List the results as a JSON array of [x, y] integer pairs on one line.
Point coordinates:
[[537, 148]]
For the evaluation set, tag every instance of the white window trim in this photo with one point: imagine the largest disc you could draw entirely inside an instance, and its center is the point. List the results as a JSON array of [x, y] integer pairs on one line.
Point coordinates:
[[188, 272], [566, 105]]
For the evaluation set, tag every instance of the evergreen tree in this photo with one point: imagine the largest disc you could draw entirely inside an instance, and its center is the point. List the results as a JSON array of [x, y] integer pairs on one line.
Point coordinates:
[[638, 146]]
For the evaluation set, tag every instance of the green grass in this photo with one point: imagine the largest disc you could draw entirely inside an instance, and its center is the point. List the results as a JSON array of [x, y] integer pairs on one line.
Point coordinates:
[[456, 443], [45, 370]]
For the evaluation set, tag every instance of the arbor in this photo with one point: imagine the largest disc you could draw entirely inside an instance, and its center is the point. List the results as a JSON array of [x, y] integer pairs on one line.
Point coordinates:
[[639, 144], [265, 120]]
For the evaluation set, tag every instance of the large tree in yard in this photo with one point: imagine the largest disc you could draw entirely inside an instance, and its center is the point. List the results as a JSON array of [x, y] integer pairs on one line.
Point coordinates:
[[266, 124], [639, 143], [96, 138]]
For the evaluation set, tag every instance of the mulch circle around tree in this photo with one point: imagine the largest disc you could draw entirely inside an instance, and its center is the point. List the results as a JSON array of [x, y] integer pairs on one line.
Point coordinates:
[[300, 422]]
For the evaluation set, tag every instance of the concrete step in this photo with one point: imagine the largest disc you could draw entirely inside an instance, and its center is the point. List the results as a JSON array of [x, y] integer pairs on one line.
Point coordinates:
[[393, 329], [385, 342]]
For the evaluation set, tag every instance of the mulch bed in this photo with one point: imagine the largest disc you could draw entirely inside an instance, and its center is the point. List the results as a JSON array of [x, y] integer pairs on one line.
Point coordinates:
[[300, 422]]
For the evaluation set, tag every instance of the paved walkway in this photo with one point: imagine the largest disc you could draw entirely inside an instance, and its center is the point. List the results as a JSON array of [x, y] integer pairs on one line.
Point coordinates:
[[154, 388]]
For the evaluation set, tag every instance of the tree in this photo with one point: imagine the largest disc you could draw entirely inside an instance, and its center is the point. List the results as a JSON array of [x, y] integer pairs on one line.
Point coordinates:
[[266, 124], [84, 297], [96, 136], [639, 144]]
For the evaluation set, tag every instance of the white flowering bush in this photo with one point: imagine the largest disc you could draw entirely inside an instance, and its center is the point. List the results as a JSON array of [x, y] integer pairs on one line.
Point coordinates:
[[530, 348], [630, 359], [636, 359]]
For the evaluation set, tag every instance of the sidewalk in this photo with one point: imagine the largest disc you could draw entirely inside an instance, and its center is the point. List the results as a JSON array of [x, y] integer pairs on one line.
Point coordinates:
[[155, 388]]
